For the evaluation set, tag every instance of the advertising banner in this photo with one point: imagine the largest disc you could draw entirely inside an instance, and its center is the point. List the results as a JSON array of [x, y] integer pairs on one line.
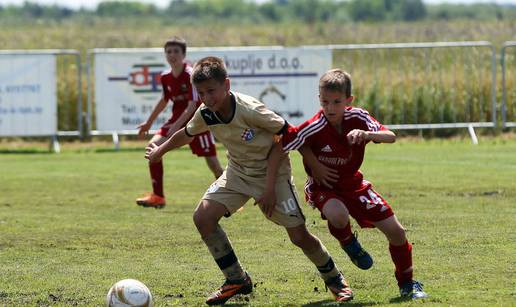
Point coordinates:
[[28, 97], [127, 84]]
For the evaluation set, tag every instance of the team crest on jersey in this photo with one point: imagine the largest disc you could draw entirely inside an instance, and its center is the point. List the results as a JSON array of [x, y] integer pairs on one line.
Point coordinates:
[[321, 198], [184, 88], [248, 134], [213, 187]]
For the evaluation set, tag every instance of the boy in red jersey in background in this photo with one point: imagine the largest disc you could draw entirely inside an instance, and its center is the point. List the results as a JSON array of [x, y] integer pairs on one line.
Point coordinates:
[[332, 144], [177, 87]]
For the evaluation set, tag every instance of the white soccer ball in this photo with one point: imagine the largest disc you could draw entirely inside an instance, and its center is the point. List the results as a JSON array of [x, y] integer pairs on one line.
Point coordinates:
[[129, 293]]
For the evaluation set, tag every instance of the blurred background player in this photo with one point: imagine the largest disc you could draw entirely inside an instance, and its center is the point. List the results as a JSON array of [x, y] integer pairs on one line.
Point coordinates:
[[333, 145], [249, 131], [177, 87]]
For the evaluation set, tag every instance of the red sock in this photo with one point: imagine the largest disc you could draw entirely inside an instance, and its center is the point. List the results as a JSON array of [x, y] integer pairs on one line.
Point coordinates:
[[156, 173], [343, 235], [402, 257]]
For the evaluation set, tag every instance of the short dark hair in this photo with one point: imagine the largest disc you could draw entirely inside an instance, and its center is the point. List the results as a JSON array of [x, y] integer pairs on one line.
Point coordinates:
[[209, 68], [336, 80], [176, 41]]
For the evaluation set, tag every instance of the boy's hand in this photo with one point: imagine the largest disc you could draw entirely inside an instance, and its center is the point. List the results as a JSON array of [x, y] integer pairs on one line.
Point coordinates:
[[152, 153], [267, 202], [357, 137], [143, 129], [324, 175]]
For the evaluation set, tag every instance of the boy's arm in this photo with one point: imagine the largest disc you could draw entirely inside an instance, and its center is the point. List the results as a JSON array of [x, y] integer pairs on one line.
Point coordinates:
[[154, 152], [322, 174], [358, 136], [144, 127], [268, 199], [183, 118]]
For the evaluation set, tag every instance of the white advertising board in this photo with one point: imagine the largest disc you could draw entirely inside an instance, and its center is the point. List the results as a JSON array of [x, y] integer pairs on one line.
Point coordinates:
[[28, 97], [127, 84]]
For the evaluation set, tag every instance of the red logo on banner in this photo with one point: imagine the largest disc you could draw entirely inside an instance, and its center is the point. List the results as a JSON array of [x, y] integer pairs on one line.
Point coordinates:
[[146, 78]]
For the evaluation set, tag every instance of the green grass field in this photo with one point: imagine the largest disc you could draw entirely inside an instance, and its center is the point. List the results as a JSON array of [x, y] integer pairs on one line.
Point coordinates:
[[69, 228]]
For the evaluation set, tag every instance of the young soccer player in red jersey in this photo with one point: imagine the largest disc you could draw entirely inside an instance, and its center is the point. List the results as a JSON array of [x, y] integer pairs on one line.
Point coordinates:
[[332, 144], [177, 87], [248, 130]]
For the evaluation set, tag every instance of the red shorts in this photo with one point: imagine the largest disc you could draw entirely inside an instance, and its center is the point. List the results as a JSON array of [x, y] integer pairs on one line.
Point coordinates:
[[365, 205], [203, 145]]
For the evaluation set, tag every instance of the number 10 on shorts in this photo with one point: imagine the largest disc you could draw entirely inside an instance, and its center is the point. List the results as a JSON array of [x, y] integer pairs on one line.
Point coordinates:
[[289, 205]]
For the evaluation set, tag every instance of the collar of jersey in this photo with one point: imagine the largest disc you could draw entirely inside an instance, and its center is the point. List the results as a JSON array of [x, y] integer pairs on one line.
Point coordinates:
[[233, 105]]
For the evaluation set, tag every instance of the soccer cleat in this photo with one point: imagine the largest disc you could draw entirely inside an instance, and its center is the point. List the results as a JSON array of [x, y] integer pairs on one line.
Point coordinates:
[[339, 288], [151, 200], [358, 255], [412, 289], [229, 289]]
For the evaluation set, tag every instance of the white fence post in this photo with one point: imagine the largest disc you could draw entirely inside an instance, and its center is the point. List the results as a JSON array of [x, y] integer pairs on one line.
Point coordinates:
[[506, 123]]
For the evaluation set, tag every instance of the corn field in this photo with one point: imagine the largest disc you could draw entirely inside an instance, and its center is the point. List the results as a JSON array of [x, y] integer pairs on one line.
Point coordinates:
[[399, 86]]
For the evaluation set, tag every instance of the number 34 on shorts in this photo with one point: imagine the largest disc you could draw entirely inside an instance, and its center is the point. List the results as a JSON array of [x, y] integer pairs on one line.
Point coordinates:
[[372, 199]]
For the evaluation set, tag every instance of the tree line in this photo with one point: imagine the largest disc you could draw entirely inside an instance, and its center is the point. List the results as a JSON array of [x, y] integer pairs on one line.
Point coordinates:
[[272, 11]]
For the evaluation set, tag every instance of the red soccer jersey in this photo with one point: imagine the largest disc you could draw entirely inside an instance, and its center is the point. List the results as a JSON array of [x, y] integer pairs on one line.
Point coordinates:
[[333, 149], [179, 90]]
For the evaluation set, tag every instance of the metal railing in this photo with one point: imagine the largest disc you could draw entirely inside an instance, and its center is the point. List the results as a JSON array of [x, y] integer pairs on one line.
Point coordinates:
[[398, 59], [487, 119], [507, 102]]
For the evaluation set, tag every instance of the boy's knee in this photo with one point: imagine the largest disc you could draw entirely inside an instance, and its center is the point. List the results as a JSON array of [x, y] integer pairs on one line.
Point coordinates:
[[207, 214], [200, 217], [398, 236], [338, 220], [197, 217], [336, 213]]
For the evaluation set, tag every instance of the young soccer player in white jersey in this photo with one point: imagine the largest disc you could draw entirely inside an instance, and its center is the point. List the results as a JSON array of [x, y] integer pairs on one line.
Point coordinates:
[[248, 130], [333, 144]]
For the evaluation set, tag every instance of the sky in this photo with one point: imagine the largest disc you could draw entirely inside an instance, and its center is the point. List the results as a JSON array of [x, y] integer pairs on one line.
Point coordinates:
[[90, 4]]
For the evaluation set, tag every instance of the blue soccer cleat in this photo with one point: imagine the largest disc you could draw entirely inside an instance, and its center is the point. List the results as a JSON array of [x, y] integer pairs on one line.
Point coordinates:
[[358, 255], [412, 289]]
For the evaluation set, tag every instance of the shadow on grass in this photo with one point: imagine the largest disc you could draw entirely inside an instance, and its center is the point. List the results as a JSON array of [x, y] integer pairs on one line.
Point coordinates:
[[112, 150], [399, 299], [329, 302], [25, 151], [43, 151], [134, 149]]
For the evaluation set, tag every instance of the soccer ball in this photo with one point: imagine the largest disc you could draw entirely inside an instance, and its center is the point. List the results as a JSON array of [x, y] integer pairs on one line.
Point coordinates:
[[129, 293]]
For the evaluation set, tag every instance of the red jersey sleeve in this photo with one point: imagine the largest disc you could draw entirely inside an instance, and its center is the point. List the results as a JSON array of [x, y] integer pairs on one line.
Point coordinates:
[[369, 123], [295, 137], [167, 95]]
